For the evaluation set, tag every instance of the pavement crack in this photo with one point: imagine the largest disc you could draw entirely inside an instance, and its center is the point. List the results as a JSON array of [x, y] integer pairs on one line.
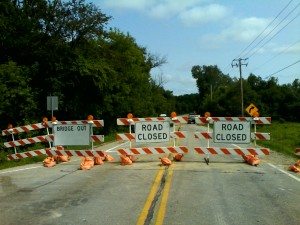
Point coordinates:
[[157, 197]]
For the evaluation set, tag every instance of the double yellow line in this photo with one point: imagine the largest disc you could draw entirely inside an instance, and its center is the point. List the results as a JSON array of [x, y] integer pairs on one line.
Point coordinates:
[[164, 196]]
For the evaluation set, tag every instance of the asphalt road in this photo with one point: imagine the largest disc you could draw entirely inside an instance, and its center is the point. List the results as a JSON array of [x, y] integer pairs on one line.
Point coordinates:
[[225, 192]]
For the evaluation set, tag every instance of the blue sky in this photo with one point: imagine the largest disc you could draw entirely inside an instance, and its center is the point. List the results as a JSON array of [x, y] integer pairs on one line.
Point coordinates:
[[212, 32]]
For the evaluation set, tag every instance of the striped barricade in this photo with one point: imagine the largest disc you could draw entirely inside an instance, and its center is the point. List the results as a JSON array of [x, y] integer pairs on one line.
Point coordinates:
[[95, 123], [258, 120], [297, 151], [128, 136], [152, 150], [126, 121], [20, 129], [44, 138], [209, 135], [232, 151], [83, 153], [32, 153], [27, 141]]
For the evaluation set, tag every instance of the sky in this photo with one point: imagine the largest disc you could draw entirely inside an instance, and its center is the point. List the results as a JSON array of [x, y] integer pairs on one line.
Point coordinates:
[[265, 34]]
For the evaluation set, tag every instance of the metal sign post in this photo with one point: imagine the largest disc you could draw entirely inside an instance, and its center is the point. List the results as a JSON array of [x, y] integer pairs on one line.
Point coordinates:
[[52, 104]]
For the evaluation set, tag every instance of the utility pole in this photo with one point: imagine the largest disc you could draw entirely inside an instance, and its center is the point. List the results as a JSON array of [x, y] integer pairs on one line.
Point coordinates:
[[239, 63]]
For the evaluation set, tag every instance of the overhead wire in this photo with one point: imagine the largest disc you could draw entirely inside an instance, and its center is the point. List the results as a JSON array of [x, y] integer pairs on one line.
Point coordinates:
[[285, 68], [273, 35], [260, 34], [268, 34], [282, 51]]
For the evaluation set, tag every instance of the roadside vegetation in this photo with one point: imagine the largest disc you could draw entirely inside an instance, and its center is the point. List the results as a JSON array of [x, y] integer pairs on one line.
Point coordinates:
[[285, 137]]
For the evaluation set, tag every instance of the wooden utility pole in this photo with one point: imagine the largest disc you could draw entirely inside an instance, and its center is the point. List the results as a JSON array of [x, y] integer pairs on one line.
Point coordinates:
[[239, 63]]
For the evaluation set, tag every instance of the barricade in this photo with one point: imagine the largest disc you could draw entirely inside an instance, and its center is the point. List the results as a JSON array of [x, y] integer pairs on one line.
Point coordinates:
[[51, 151], [175, 135], [231, 151]]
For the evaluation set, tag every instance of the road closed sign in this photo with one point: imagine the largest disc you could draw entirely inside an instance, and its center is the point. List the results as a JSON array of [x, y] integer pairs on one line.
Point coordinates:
[[72, 134], [152, 131], [238, 132]]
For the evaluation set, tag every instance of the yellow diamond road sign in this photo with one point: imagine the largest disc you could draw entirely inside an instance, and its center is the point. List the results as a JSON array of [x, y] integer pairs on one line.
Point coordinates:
[[251, 109]]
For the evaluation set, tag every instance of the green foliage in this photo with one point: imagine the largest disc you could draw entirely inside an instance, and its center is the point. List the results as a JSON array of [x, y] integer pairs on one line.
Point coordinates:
[[285, 137], [221, 95], [62, 48]]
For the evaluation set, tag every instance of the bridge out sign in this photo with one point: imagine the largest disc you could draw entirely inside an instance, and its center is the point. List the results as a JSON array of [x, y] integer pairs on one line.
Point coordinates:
[[72, 134], [232, 132], [152, 131]]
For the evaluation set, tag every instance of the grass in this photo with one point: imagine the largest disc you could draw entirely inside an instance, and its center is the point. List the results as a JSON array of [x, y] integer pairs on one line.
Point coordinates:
[[285, 138]]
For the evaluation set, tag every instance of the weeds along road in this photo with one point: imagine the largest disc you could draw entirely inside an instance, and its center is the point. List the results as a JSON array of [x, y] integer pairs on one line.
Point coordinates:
[[227, 191]]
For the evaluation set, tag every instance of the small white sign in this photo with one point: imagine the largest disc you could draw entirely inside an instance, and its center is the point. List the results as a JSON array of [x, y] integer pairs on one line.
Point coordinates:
[[232, 132], [152, 131], [71, 134]]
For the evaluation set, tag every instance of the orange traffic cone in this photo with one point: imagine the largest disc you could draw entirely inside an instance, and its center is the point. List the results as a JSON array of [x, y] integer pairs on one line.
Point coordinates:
[[125, 160], [108, 158], [49, 162], [178, 157], [297, 163], [165, 161], [98, 160], [87, 163]]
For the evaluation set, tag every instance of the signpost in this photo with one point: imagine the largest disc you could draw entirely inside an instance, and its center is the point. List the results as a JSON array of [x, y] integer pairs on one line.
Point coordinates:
[[68, 135], [238, 132], [52, 104], [152, 131]]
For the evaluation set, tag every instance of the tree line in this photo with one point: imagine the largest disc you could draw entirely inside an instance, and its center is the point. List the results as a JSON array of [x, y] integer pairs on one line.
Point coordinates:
[[221, 95], [65, 49]]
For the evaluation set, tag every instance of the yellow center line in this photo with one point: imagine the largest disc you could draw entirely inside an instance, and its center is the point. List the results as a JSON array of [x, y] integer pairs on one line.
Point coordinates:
[[164, 198], [144, 213]]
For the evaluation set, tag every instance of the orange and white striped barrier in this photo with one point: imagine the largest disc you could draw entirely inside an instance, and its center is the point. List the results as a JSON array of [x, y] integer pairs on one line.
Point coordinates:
[[83, 153], [33, 153], [209, 135], [128, 136], [152, 150], [44, 138], [125, 136], [95, 123], [126, 121], [30, 127], [261, 136], [258, 120], [297, 151], [49, 124], [27, 141], [232, 151]]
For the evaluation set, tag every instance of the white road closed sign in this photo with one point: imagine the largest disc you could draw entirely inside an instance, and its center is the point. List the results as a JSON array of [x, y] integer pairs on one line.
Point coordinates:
[[152, 131], [238, 132], [72, 134]]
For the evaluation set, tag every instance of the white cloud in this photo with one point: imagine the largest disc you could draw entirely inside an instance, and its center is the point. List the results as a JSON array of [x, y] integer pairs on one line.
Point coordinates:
[[239, 30], [127, 4], [245, 30], [209, 13]]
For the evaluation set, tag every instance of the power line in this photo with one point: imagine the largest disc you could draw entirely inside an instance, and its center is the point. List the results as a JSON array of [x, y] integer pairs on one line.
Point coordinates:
[[270, 59], [284, 68], [265, 29], [273, 35]]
